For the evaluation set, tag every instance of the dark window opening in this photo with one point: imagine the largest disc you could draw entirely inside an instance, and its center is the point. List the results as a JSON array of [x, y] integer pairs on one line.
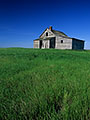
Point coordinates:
[[46, 33], [61, 41]]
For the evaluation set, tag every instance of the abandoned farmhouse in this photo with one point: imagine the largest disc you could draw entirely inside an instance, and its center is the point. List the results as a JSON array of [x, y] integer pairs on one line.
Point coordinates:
[[55, 39]]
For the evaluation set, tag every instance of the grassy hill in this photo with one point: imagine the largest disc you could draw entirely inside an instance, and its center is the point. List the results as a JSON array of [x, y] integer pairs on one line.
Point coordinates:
[[44, 84]]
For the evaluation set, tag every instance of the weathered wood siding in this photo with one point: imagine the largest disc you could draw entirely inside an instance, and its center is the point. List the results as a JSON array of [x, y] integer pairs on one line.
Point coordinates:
[[36, 44], [67, 43], [50, 34], [77, 44], [45, 44]]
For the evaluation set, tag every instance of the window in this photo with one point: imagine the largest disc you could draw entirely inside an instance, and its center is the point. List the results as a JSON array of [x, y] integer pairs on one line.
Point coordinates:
[[61, 41], [46, 33]]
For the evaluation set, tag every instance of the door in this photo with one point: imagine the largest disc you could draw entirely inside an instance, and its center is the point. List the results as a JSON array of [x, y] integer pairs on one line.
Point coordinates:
[[52, 43]]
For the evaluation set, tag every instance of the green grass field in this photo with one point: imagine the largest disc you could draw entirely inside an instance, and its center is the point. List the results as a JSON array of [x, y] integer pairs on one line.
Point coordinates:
[[44, 84]]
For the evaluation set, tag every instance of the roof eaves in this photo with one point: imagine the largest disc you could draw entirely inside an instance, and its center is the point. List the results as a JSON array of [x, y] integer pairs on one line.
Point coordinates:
[[64, 36], [36, 39], [43, 32], [78, 39], [43, 38], [48, 38]]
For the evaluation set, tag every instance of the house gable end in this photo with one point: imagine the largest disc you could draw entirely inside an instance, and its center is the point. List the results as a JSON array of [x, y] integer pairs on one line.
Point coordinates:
[[47, 33]]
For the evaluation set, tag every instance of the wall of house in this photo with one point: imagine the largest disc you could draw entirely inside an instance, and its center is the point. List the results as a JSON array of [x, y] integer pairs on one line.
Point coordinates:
[[36, 44], [67, 43], [45, 44], [50, 34], [77, 45]]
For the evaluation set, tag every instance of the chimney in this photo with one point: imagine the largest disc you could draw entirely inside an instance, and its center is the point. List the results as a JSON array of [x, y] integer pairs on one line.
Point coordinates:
[[50, 28]]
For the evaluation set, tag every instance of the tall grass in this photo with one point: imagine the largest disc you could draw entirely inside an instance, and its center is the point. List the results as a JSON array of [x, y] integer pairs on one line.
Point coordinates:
[[44, 84]]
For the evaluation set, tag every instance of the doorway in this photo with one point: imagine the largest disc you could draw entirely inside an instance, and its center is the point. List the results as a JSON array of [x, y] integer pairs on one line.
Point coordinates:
[[52, 43], [40, 44]]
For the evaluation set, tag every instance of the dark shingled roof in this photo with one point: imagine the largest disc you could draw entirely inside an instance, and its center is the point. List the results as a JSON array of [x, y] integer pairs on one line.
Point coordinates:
[[59, 33], [78, 39]]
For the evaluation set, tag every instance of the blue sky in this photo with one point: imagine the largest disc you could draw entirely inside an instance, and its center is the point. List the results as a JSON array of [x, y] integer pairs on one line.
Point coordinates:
[[22, 21]]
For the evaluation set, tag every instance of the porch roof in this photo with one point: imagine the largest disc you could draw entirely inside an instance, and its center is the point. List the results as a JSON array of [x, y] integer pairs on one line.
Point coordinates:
[[48, 38]]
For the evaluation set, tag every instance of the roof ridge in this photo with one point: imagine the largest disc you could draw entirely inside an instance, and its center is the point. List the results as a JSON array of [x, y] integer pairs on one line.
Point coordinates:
[[59, 33]]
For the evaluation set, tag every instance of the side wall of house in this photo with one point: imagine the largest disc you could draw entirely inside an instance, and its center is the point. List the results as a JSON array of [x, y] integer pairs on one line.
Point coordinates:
[[63, 43], [77, 44], [36, 44]]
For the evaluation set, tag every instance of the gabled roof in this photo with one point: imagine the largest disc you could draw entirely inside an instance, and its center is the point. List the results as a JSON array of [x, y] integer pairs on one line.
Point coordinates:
[[43, 32], [59, 33]]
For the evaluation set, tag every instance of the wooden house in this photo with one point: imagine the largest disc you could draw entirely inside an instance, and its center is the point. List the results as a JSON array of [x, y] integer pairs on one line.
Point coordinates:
[[56, 39]]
